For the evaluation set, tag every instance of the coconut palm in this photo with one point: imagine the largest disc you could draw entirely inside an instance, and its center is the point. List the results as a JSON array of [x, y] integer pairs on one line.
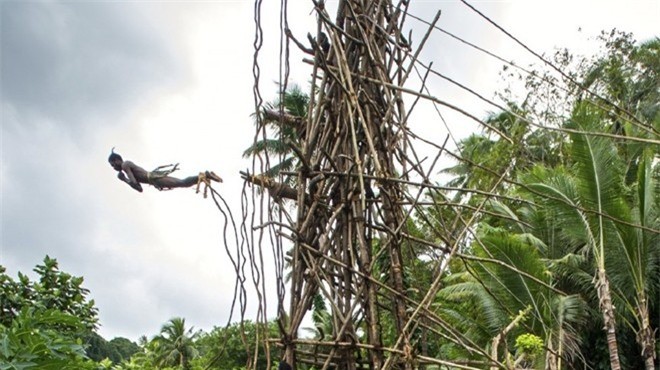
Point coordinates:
[[592, 212], [285, 116], [594, 188], [175, 346], [628, 76], [635, 263], [505, 290], [596, 207], [586, 223], [485, 158]]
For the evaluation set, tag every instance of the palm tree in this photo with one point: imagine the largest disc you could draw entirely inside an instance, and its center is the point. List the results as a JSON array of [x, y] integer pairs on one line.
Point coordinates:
[[586, 230], [175, 346], [635, 273], [286, 117], [587, 223], [506, 289], [628, 76], [592, 212], [596, 212], [484, 159], [323, 324]]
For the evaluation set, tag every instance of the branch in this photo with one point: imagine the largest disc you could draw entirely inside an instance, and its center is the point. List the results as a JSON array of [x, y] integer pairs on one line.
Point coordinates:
[[496, 341], [275, 189], [282, 117]]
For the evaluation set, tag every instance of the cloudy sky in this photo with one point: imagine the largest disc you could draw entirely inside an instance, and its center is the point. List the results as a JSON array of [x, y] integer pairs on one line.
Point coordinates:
[[171, 81]]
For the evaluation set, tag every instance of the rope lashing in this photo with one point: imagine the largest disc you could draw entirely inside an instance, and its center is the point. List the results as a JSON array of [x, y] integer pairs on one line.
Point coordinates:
[[205, 178]]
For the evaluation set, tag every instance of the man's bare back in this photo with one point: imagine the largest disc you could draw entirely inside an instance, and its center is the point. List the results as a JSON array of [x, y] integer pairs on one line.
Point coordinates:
[[134, 175]]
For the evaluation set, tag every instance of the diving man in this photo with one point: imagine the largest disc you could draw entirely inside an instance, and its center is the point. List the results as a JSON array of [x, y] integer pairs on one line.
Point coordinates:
[[134, 175]]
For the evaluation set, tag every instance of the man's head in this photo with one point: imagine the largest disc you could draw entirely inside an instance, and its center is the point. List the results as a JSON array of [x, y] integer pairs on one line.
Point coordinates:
[[115, 160]]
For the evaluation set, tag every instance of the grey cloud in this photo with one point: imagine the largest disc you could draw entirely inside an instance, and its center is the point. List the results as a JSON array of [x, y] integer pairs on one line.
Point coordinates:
[[39, 213], [69, 60]]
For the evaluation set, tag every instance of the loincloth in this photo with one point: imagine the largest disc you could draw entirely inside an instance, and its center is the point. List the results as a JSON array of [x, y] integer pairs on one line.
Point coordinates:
[[159, 173]]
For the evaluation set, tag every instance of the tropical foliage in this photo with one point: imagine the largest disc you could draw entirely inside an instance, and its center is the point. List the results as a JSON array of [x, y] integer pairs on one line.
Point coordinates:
[[285, 117], [580, 250], [42, 322]]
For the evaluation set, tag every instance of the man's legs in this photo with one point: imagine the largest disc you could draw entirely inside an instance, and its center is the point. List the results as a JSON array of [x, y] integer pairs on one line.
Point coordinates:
[[173, 182]]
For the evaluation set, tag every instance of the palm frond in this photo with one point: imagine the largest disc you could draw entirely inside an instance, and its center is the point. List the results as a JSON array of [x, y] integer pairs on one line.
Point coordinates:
[[561, 194], [532, 240], [599, 167], [484, 304], [500, 208], [287, 164], [570, 313], [270, 146]]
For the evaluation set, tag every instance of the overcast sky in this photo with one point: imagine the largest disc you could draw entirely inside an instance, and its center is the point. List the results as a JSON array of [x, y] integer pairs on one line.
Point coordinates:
[[168, 82]]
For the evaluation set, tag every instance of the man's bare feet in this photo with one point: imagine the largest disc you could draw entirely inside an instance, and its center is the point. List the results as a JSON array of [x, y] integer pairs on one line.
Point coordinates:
[[211, 175]]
